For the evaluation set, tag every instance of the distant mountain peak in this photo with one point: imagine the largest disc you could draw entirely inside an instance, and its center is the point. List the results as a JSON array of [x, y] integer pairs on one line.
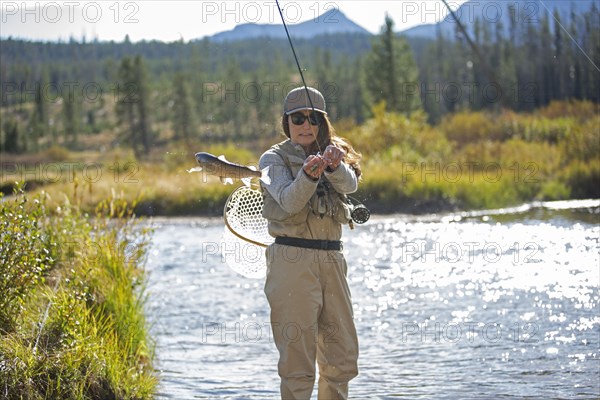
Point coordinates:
[[522, 13], [330, 22]]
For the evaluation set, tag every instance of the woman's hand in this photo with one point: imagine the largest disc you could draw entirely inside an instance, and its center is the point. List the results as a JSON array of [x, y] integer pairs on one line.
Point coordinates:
[[333, 156], [314, 166]]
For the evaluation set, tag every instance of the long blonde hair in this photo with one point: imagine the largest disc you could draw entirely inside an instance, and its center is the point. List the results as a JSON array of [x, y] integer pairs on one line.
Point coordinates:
[[327, 136]]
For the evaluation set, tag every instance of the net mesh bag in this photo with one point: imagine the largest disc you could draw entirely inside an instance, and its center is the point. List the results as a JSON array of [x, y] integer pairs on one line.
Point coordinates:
[[246, 233]]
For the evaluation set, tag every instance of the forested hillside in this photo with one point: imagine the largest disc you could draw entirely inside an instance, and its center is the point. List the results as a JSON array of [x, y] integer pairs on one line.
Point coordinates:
[[53, 92]]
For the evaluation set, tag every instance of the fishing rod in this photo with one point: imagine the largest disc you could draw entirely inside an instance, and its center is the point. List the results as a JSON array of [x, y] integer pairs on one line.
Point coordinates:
[[488, 71], [243, 209], [287, 32], [360, 214]]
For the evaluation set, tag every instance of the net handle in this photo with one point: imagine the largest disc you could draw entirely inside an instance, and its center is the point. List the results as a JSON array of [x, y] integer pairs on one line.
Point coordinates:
[[229, 226]]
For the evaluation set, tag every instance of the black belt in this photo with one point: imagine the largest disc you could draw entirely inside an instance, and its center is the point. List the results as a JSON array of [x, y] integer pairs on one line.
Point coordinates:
[[310, 243]]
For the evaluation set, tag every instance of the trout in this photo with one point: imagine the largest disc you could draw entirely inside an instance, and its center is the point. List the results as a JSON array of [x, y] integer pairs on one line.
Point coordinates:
[[227, 171]]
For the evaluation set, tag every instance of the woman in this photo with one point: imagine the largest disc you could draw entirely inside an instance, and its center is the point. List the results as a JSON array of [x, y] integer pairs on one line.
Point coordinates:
[[305, 204]]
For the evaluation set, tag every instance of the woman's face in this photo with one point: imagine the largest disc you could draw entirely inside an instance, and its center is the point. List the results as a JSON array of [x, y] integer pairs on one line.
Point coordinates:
[[302, 130]]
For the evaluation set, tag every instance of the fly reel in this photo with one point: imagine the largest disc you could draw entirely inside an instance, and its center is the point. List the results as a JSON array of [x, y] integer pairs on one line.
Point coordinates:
[[360, 213]]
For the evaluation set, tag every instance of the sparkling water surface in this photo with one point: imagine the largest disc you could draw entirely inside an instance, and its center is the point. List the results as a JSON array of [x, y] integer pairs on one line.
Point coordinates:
[[489, 304]]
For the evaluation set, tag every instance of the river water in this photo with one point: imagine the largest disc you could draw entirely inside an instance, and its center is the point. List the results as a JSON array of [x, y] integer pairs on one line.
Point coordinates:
[[491, 304]]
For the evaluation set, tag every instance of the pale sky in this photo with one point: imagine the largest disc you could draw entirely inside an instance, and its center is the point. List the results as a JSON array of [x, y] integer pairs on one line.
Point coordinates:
[[173, 20]]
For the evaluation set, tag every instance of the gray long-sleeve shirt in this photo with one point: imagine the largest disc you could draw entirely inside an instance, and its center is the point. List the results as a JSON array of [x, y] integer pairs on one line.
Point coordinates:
[[293, 191]]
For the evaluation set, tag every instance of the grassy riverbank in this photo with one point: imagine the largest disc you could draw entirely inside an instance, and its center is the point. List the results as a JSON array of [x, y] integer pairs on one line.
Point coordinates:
[[71, 293], [471, 160]]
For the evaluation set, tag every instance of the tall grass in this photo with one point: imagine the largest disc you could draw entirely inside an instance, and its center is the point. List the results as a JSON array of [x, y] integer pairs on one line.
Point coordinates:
[[74, 327], [162, 186]]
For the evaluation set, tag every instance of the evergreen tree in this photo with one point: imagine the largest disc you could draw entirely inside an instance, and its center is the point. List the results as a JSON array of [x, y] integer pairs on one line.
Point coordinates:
[[559, 64], [575, 72], [433, 74], [183, 118], [198, 79], [391, 72], [142, 103], [11, 136], [591, 43], [545, 64], [348, 91], [507, 72], [132, 104], [477, 99], [233, 103], [460, 83], [266, 100], [70, 119], [125, 96], [327, 80], [39, 122], [357, 108]]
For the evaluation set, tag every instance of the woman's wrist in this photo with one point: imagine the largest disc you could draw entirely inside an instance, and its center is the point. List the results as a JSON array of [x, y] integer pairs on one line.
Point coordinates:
[[310, 177]]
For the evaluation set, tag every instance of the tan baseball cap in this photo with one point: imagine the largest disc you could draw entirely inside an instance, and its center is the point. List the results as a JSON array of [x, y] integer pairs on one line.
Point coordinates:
[[297, 100]]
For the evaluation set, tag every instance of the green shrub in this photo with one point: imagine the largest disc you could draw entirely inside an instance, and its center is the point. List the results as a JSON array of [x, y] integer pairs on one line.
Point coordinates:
[[554, 190], [81, 332], [484, 193], [469, 127], [581, 110], [392, 136], [583, 141], [57, 154], [27, 252], [538, 129], [583, 179]]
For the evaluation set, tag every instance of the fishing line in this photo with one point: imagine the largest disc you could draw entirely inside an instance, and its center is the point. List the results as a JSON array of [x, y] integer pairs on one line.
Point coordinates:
[[287, 32], [570, 36]]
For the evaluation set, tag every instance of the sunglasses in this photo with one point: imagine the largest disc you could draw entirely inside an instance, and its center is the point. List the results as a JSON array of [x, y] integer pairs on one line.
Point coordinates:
[[299, 118]]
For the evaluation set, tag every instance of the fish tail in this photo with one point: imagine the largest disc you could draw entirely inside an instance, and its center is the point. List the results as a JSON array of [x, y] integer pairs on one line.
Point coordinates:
[[247, 181], [264, 175]]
